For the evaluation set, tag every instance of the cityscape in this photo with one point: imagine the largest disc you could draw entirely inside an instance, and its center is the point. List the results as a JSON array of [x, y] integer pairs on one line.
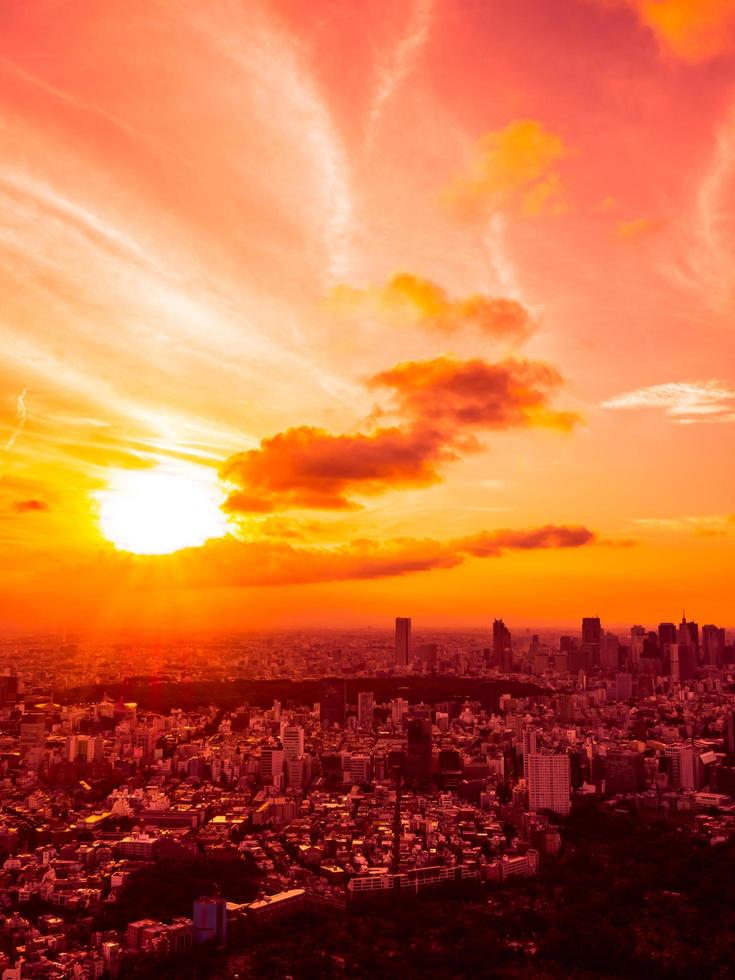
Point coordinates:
[[190, 833], [367, 526]]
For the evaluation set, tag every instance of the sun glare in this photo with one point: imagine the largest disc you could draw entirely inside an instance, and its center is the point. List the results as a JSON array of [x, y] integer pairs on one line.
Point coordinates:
[[155, 512]]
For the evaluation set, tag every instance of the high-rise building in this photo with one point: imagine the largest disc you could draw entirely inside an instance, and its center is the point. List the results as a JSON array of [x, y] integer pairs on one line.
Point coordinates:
[[365, 709], [530, 747], [333, 701], [609, 652], [730, 732], [210, 920], [292, 740], [398, 711], [683, 662], [637, 643], [591, 629], [713, 645], [271, 765], [549, 781], [681, 761], [666, 634], [32, 731], [502, 641], [403, 641], [591, 638], [418, 754]]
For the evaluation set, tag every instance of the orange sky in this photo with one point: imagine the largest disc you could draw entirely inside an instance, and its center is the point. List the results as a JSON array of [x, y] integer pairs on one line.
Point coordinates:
[[434, 297]]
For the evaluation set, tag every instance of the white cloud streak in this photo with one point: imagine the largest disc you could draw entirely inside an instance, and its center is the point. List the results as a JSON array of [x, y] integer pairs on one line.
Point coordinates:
[[685, 402]]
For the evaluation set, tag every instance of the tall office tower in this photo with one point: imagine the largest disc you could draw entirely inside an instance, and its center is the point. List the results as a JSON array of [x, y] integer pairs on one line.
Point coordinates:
[[398, 710], [713, 645], [549, 781], [271, 765], [666, 634], [530, 747], [418, 754], [609, 652], [333, 701], [637, 643], [683, 662], [730, 732], [32, 731], [591, 636], [403, 641], [591, 629], [502, 641], [681, 760], [8, 689], [210, 920], [365, 709], [292, 740], [688, 634]]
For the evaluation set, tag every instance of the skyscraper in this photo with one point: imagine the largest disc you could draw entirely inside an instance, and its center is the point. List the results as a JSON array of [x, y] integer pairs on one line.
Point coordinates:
[[502, 641], [591, 636], [530, 743], [666, 634], [549, 779], [365, 709], [403, 641], [591, 629], [730, 732], [292, 740], [418, 754], [713, 645]]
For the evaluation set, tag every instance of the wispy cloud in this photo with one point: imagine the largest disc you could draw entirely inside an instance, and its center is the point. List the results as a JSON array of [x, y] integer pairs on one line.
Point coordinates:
[[685, 402], [399, 63], [21, 413]]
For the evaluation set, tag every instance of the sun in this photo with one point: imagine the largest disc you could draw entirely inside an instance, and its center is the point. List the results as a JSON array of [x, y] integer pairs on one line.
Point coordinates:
[[158, 511]]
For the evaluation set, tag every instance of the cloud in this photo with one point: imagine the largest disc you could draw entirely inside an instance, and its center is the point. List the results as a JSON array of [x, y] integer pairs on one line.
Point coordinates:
[[703, 524], [442, 402], [637, 228], [686, 402], [311, 467], [231, 563], [514, 167], [400, 63], [30, 506], [21, 414], [476, 394], [488, 544], [424, 303], [692, 30]]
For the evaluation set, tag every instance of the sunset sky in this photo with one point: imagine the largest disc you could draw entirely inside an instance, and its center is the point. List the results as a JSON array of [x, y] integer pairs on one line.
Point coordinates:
[[326, 312]]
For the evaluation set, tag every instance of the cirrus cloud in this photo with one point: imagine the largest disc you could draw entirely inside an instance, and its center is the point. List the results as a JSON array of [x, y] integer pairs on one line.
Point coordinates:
[[685, 402]]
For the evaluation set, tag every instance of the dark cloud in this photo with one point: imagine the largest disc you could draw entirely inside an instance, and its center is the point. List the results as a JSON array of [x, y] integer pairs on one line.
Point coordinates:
[[489, 544], [443, 401], [310, 467], [30, 506], [477, 394], [231, 563]]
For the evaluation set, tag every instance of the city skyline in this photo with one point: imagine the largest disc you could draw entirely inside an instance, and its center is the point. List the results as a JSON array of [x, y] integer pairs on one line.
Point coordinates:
[[310, 318]]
